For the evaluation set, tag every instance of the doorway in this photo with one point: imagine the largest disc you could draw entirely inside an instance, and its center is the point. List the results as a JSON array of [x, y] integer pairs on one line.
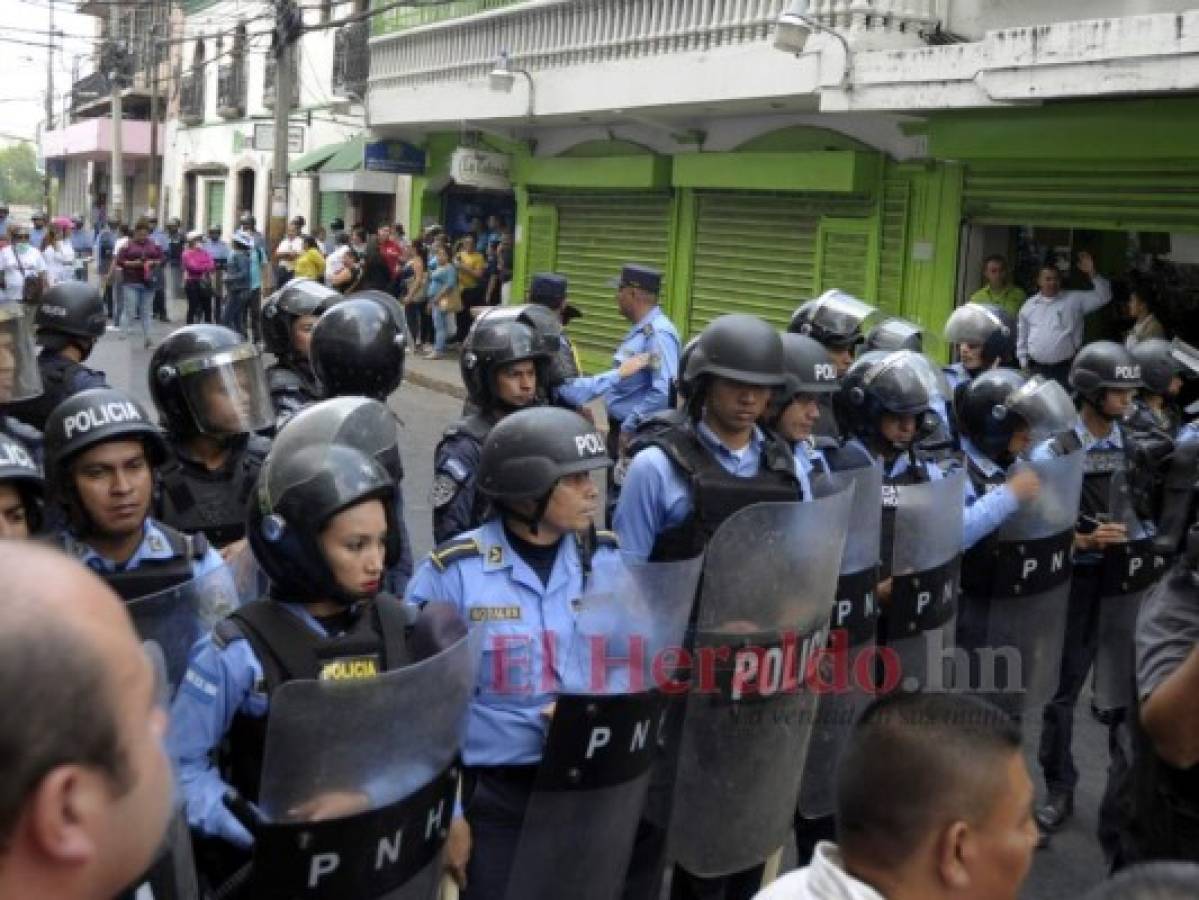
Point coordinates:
[[245, 192]]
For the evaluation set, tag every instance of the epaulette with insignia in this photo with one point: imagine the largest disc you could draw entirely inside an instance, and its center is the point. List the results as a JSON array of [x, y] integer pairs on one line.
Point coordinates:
[[453, 551], [609, 539]]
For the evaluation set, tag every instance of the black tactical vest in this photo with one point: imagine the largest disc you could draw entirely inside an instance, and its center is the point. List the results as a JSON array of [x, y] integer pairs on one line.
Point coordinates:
[[154, 575], [977, 562], [288, 650], [58, 375], [474, 428], [1098, 468], [194, 499], [291, 386], [715, 493]]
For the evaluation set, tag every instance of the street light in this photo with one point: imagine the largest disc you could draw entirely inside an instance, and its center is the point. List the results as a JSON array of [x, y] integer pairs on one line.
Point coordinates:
[[503, 76], [796, 25]]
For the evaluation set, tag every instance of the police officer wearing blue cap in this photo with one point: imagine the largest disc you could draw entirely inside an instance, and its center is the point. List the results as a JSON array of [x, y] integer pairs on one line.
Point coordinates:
[[549, 289], [631, 401], [101, 452], [517, 577]]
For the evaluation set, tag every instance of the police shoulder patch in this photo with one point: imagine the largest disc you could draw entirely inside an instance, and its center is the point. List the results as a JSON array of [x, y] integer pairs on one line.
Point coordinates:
[[444, 489], [450, 553]]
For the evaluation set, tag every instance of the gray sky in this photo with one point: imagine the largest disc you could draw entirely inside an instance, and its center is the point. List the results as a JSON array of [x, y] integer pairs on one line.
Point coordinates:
[[23, 66]]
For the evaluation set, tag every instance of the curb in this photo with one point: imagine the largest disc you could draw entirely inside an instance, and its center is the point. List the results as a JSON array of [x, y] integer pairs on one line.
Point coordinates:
[[432, 383]]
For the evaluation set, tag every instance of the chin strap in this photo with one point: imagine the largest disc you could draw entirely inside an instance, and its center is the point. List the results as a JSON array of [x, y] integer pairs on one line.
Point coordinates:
[[585, 541], [531, 521]]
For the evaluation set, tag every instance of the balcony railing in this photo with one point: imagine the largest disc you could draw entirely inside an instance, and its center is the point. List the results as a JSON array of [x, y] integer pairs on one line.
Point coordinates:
[[231, 90], [547, 34], [268, 87], [191, 99], [351, 62]]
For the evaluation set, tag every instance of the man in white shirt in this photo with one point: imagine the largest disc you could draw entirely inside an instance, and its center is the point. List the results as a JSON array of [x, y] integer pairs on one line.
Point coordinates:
[[934, 802], [287, 252], [1050, 326]]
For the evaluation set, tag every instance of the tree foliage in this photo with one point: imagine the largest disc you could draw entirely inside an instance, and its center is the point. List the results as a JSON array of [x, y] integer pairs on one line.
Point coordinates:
[[19, 180]]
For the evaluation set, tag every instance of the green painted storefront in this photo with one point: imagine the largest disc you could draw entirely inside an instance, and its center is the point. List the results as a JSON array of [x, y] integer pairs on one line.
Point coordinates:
[[796, 212]]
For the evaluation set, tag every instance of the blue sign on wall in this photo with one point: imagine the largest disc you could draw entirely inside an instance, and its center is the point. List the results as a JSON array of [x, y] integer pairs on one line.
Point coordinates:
[[397, 157]]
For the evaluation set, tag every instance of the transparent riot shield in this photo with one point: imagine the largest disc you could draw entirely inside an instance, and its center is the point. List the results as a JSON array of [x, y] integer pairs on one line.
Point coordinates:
[[579, 826], [1030, 588], [359, 779], [854, 627], [924, 580], [769, 584], [176, 618], [1129, 571]]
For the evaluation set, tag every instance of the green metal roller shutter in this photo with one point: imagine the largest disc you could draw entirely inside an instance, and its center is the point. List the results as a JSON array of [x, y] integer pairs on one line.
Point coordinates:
[[1131, 197], [214, 205], [542, 243], [332, 206], [756, 252], [597, 233]]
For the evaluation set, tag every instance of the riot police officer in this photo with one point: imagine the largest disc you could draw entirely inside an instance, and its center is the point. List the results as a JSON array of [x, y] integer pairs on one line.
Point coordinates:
[[795, 410], [288, 318], [834, 319], [516, 576], [1105, 377], [69, 320], [21, 491], [101, 453], [358, 349], [210, 391], [504, 363], [322, 527], [1156, 404], [984, 336], [19, 376]]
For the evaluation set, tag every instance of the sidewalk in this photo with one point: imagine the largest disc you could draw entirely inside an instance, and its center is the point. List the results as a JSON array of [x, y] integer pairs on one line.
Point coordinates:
[[440, 375]]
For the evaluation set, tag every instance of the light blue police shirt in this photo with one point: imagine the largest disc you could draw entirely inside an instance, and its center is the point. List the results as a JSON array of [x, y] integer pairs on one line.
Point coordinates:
[[656, 496], [495, 589], [633, 399], [154, 545]]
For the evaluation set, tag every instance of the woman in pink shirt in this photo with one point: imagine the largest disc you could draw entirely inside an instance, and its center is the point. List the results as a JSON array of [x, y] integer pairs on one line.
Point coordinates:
[[197, 265]]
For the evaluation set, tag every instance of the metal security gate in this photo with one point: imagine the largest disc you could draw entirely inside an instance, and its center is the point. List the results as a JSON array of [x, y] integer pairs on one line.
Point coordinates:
[[332, 206], [595, 235], [214, 204], [765, 253], [1103, 196]]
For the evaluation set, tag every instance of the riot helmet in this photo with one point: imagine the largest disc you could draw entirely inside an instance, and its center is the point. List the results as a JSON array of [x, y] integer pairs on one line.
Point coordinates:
[[834, 318], [19, 469], [547, 327], [989, 327], [500, 338], [87, 419], [894, 383], [71, 312], [895, 334], [1159, 366], [358, 350], [388, 302], [298, 298], [738, 347], [207, 379], [20, 378], [296, 495], [992, 407], [1101, 366], [527, 453], [808, 367], [358, 422]]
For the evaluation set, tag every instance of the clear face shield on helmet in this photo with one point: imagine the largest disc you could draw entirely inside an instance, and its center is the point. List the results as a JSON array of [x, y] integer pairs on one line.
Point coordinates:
[[971, 324], [900, 382], [20, 378], [1044, 406], [227, 392], [895, 334], [839, 313]]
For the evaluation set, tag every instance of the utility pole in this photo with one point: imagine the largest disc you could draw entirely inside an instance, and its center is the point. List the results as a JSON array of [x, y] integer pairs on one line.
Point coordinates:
[[288, 27], [49, 110], [116, 77], [155, 176]]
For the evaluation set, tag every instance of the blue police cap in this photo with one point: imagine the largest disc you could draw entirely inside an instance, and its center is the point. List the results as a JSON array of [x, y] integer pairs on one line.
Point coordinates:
[[549, 289], [643, 277]]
